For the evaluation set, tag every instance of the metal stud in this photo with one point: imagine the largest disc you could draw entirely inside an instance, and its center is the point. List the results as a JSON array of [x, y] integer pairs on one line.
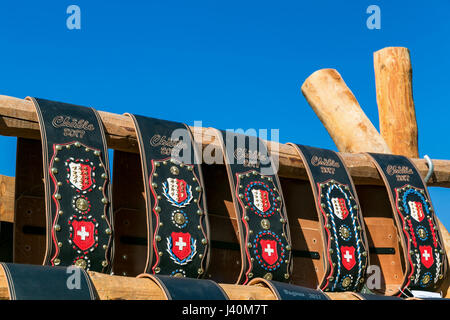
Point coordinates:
[[57, 227], [265, 224], [77, 144], [204, 241], [104, 263], [56, 261], [104, 200], [158, 209], [81, 263], [268, 276], [158, 238], [57, 196], [108, 231]]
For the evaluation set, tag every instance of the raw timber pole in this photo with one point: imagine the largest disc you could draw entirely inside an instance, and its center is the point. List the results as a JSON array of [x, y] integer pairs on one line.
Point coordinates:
[[338, 109], [393, 79]]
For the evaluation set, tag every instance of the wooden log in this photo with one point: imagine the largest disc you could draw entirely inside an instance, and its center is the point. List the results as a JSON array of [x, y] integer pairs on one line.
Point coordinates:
[[18, 118], [127, 288], [7, 187], [341, 114], [393, 79]]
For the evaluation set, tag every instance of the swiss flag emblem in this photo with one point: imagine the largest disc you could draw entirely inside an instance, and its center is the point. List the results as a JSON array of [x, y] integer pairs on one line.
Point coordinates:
[[181, 245], [269, 251], [261, 200], [426, 256], [83, 234], [348, 257]]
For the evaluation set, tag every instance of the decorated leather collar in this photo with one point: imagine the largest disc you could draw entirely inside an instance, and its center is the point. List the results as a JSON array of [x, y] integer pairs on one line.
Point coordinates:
[[260, 212], [425, 258], [177, 233], [77, 195], [346, 249]]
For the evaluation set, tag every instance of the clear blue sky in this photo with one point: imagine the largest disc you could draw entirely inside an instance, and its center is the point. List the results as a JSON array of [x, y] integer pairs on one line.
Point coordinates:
[[230, 64]]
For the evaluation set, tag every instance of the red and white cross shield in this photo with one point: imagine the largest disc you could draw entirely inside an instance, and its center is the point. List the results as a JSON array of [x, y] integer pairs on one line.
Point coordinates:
[[348, 257], [181, 244], [177, 189], [426, 256], [83, 234], [269, 251], [339, 208], [261, 199], [80, 175], [416, 209]]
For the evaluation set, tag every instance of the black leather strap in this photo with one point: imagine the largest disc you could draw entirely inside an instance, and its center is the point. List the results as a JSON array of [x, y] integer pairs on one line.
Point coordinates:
[[339, 211], [77, 193], [286, 291], [177, 221], [176, 288], [425, 258], [368, 296], [260, 211], [31, 282]]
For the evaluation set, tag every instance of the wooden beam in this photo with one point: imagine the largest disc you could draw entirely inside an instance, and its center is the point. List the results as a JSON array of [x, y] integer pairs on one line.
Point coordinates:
[[337, 108], [393, 79], [18, 118]]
